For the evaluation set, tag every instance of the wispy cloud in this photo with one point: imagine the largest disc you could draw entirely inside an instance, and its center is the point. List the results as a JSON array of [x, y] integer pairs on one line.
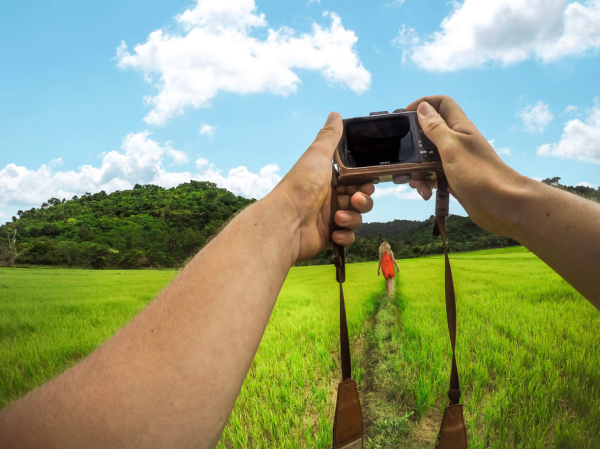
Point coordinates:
[[536, 118], [208, 130], [500, 150]]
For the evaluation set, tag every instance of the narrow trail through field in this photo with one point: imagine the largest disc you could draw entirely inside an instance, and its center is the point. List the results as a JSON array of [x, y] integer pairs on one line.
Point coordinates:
[[388, 404]]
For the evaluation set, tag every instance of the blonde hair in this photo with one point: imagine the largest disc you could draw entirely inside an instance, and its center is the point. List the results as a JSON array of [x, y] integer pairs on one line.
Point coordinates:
[[385, 246]]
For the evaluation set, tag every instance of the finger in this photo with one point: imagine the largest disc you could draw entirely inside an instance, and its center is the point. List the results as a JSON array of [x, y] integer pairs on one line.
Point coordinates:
[[351, 190], [424, 188], [450, 111], [348, 219], [328, 137], [360, 202], [345, 237], [425, 191]]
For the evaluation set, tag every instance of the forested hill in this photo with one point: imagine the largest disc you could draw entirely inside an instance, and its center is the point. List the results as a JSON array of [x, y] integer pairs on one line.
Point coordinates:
[[148, 226], [417, 240], [391, 230]]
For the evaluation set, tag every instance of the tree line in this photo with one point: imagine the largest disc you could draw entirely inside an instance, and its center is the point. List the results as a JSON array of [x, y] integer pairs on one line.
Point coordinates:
[[154, 227]]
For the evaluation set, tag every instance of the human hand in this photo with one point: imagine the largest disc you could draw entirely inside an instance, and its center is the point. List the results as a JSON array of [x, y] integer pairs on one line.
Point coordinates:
[[378, 272], [483, 184], [306, 192]]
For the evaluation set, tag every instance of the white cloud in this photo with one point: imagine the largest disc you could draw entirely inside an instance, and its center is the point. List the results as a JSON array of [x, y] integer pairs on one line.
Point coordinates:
[[141, 161], [588, 184], [402, 191], [536, 117], [208, 130], [406, 41], [214, 51], [501, 150], [579, 140], [396, 3], [569, 109], [240, 180], [56, 162], [505, 32]]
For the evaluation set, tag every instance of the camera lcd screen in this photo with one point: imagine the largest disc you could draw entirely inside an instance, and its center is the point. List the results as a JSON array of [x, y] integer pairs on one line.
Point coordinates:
[[384, 141]]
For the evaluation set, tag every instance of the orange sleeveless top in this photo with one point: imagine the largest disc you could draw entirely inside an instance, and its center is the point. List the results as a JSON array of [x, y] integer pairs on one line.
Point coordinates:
[[387, 266]]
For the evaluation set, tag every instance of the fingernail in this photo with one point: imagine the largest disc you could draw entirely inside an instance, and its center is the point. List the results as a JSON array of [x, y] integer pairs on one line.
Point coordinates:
[[425, 109], [331, 117]]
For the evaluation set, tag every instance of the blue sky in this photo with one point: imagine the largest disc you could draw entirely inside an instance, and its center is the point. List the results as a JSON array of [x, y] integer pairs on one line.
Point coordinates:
[[233, 91]]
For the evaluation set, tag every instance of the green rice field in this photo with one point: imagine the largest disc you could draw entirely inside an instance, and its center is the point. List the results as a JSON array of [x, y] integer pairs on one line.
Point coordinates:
[[528, 349]]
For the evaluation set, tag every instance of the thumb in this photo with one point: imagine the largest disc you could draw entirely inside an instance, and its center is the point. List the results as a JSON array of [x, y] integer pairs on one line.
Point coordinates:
[[434, 126], [328, 137]]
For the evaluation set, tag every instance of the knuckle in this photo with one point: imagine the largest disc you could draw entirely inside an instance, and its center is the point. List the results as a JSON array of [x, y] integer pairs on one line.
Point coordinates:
[[329, 129], [435, 124]]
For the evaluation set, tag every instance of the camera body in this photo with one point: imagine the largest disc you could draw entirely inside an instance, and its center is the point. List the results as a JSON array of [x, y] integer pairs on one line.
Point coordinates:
[[383, 147]]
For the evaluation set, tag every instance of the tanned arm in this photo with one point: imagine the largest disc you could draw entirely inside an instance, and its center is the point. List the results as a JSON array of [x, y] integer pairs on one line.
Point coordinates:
[[170, 378]]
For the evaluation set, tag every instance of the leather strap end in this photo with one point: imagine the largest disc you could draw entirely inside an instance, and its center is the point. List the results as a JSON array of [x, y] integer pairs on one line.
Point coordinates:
[[348, 421], [453, 431], [454, 395]]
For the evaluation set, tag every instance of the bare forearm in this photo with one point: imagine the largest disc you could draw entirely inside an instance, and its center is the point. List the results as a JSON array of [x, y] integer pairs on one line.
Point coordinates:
[[564, 231], [170, 378]]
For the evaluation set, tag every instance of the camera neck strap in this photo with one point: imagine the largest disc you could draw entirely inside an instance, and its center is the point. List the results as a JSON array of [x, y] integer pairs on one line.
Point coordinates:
[[348, 420], [442, 201], [339, 260]]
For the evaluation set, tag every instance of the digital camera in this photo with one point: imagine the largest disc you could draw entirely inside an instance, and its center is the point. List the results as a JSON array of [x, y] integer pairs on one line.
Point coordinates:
[[384, 147]]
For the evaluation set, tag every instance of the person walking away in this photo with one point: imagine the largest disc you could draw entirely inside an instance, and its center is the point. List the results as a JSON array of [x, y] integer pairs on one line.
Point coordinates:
[[387, 262]]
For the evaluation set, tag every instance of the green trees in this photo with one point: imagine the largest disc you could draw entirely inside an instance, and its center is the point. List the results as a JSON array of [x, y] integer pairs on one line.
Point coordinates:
[[148, 226]]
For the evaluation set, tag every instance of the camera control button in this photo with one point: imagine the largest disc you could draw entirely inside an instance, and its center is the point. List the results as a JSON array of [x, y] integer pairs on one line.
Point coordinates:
[[428, 144]]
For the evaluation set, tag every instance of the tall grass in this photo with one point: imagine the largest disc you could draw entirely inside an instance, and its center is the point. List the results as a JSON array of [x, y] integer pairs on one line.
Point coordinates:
[[287, 400], [50, 319], [527, 351]]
